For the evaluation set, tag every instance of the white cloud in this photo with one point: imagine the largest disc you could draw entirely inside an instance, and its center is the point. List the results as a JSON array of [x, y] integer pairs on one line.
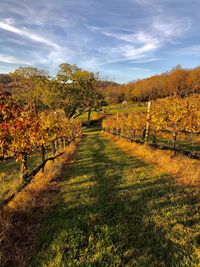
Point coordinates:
[[170, 28], [145, 3], [54, 55], [130, 52], [148, 60], [133, 44], [123, 53], [28, 34], [12, 60], [137, 37]]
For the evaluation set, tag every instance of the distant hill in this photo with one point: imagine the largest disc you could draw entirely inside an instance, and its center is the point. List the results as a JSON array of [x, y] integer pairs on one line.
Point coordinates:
[[105, 84], [4, 81], [114, 92]]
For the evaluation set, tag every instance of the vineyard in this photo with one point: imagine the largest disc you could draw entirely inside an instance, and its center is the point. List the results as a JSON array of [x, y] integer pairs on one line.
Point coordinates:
[[30, 139], [124, 193], [99, 133], [172, 123]]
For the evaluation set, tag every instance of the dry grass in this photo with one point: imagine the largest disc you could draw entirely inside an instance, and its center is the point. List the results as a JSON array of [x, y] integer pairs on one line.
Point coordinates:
[[21, 218], [189, 138], [184, 169]]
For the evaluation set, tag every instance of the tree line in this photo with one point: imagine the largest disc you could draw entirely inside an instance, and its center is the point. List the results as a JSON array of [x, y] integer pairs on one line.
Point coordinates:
[[179, 82]]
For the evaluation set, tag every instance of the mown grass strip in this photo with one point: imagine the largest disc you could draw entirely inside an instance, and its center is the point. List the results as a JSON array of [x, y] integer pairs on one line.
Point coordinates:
[[117, 210]]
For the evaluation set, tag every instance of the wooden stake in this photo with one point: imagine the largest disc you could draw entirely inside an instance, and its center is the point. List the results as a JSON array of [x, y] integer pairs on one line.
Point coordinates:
[[148, 123]]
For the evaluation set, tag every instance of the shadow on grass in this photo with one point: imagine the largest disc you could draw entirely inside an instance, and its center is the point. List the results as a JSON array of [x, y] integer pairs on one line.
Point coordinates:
[[116, 210], [9, 174]]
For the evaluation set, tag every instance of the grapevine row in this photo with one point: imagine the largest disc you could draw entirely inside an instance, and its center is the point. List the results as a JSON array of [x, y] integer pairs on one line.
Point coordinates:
[[23, 130], [172, 114]]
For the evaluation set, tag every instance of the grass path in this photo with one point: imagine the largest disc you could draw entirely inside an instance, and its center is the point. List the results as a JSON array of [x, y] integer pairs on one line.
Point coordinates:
[[116, 210]]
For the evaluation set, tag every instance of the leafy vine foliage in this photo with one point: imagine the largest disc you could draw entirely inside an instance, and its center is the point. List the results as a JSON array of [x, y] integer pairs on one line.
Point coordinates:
[[171, 114], [24, 130]]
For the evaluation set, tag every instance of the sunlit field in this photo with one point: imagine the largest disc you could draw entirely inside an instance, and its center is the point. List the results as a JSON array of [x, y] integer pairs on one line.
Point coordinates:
[[114, 210], [129, 107]]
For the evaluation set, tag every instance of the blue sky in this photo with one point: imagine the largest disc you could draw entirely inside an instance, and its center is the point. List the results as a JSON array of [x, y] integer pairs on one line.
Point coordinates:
[[121, 39]]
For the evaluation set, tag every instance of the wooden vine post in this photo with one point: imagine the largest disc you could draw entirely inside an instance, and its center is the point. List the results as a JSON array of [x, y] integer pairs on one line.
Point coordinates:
[[117, 125], [147, 123]]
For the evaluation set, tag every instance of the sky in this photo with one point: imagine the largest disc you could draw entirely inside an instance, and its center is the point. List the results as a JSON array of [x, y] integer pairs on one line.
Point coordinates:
[[123, 40]]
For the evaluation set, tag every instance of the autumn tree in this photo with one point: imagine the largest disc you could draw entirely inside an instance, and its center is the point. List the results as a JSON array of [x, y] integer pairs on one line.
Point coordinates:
[[31, 86], [193, 81], [17, 131], [178, 81], [77, 91]]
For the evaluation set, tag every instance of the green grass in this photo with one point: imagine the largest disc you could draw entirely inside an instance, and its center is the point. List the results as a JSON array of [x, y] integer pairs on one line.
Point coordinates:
[[9, 174], [113, 109], [130, 107], [116, 210], [94, 115], [84, 116]]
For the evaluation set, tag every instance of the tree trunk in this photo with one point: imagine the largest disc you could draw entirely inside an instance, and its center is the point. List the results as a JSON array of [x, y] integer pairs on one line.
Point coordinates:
[[54, 148], [154, 138], [88, 119], [143, 134], [43, 156], [23, 167]]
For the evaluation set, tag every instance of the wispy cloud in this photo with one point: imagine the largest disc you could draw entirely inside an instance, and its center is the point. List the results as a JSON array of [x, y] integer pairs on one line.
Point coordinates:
[[147, 3], [99, 35], [148, 60], [170, 28], [130, 37], [27, 34], [136, 44], [12, 60]]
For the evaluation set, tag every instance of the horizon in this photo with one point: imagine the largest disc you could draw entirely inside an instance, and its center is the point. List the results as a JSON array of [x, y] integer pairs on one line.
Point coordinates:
[[122, 41]]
